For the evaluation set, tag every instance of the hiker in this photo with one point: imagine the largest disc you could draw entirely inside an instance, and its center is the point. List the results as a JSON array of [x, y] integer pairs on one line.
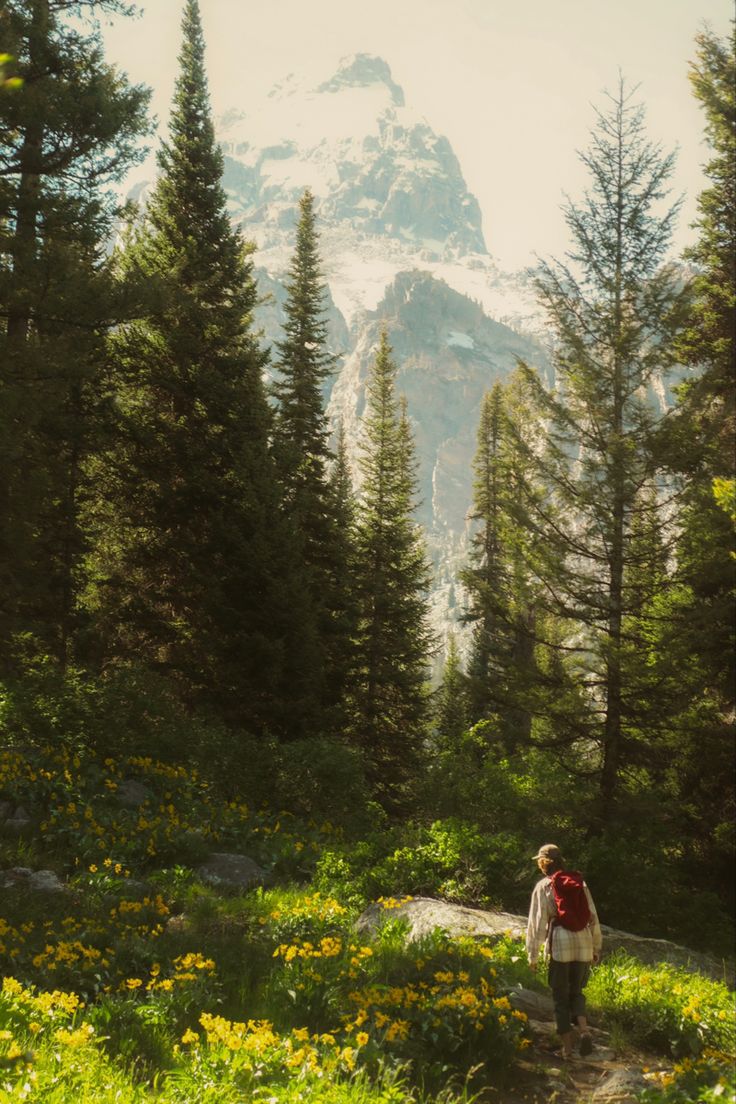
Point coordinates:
[[563, 919]]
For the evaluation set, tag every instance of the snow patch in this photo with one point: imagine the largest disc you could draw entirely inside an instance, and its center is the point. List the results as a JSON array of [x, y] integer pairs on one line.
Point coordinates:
[[462, 340]]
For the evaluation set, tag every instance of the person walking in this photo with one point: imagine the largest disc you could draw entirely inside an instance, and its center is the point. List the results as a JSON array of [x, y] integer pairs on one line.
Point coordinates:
[[563, 919]]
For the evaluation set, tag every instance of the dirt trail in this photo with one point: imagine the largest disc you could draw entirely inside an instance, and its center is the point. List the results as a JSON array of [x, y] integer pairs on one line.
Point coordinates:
[[604, 1077]]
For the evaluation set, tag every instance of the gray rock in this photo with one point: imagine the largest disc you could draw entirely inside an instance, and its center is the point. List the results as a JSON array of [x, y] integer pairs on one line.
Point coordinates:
[[132, 794], [541, 1029], [424, 914], [6, 808], [537, 1006], [40, 881], [602, 1054], [231, 871], [18, 823], [662, 950], [623, 1086], [14, 875]]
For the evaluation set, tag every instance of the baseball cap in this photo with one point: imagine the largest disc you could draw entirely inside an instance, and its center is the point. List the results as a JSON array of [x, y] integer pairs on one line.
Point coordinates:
[[549, 851]]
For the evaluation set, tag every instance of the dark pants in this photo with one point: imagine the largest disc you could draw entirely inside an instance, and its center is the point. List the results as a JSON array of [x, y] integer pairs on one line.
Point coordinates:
[[567, 981]]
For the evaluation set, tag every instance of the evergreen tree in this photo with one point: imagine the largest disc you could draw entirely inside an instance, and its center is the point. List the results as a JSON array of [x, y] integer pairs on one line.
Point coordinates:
[[497, 580], [343, 603], [486, 579], [451, 700], [69, 131], [317, 644], [186, 564], [389, 703], [615, 307], [697, 613], [707, 409]]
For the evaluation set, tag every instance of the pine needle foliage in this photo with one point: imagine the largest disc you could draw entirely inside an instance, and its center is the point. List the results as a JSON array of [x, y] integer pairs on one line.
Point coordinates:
[[615, 307], [184, 576], [319, 641], [392, 576], [69, 130]]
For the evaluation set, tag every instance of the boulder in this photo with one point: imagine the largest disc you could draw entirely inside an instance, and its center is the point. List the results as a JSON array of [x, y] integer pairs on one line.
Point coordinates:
[[40, 881], [230, 871], [423, 914], [654, 951], [621, 1086], [19, 822], [132, 794], [537, 1006]]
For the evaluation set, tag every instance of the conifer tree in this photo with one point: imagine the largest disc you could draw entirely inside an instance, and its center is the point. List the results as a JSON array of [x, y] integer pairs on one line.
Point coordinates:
[[317, 644], [343, 603], [389, 703], [486, 578], [451, 702], [186, 563], [615, 307], [67, 133], [497, 580], [694, 646]]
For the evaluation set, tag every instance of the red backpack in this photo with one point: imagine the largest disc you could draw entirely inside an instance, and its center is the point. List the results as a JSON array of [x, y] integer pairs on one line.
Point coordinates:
[[573, 911]]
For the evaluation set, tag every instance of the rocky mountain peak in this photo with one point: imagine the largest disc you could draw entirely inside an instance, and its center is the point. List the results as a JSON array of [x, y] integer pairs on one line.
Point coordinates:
[[375, 166], [360, 71]]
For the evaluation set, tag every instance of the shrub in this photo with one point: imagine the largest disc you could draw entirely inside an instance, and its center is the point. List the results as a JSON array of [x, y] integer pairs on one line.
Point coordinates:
[[664, 1008]]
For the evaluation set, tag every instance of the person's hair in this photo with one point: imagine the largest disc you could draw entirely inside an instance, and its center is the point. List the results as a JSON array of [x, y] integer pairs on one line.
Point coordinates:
[[550, 866]]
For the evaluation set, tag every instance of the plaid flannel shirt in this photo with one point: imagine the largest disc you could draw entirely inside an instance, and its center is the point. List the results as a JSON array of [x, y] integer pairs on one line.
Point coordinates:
[[567, 946]]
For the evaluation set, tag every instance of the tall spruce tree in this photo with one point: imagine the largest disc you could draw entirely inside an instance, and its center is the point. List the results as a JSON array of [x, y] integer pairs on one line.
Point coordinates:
[[389, 701], [184, 575], [695, 640], [486, 578], [318, 644], [615, 307], [343, 603], [451, 707], [66, 134], [501, 608]]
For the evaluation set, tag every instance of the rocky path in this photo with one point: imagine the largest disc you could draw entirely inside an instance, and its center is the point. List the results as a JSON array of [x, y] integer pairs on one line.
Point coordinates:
[[604, 1077]]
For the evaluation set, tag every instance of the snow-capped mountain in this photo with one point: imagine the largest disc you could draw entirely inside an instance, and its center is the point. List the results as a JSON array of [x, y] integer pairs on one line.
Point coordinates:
[[390, 192], [402, 245]]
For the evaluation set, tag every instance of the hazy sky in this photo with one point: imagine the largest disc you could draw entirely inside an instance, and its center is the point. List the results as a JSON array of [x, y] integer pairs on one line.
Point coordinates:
[[509, 83]]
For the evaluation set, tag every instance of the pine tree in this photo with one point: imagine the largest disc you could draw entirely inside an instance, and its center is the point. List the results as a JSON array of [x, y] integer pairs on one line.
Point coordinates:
[[304, 363], [486, 579], [185, 572], [497, 580], [697, 613], [69, 131], [317, 644], [452, 714], [389, 704], [615, 308], [343, 603], [707, 409]]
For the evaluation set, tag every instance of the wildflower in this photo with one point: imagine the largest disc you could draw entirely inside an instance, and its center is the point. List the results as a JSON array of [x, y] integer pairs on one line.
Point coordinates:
[[77, 1038]]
